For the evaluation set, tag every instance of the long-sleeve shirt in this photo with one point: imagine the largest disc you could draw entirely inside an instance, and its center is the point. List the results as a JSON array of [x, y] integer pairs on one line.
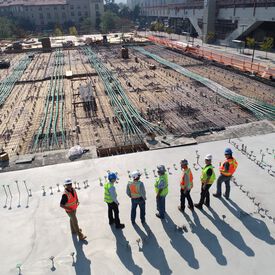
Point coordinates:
[[113, 194], [141, 190]]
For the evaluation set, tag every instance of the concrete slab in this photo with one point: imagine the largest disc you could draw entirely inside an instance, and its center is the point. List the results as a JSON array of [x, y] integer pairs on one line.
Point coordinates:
[[229, 238]]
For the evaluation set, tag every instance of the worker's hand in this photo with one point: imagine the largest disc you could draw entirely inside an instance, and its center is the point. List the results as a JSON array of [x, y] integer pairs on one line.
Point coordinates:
[[158, 195], [204, 187]]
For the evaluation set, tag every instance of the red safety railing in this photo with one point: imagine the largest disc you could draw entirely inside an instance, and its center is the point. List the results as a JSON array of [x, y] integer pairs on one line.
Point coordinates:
[[256, 68]]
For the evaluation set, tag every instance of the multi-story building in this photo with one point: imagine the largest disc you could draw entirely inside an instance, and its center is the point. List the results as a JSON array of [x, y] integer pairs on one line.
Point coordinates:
[[43, 13], [228, 19]]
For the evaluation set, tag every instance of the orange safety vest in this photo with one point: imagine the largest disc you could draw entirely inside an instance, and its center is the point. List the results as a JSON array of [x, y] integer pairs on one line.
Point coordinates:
[[233, 164], [190, 175], [134, 189], [72, 200]]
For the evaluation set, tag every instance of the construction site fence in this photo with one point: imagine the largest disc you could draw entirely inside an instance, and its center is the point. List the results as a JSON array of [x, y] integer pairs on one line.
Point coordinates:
[[243, 65]]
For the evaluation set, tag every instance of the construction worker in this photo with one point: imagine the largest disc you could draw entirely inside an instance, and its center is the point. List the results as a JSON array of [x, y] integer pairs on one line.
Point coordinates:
[[70, 202], [207, 178], [110, 197], [186, 184], [227, 169], [136, 191], [161, 188]]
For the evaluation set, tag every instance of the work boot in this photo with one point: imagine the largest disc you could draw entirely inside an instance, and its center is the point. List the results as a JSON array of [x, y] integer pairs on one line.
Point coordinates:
[[199, 206], [159, 216], [206, 204], [82, 237], [226, 197], [216, 195], [191, 207], [120, 226], [111, 222], [180, 209]]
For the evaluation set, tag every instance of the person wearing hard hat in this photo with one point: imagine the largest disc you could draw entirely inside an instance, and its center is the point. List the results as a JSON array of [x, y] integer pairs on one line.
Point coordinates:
[[70, 202], [207, 178], [161, 188], [110, 197], [136, 191], [227, 169], [186, 184]]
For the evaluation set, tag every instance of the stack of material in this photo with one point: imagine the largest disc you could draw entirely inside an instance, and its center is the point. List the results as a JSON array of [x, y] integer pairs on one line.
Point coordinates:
[[46, 43], [124, 53]]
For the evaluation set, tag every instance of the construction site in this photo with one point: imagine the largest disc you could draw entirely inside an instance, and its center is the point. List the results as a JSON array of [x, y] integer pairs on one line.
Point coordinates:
[[115, 97]]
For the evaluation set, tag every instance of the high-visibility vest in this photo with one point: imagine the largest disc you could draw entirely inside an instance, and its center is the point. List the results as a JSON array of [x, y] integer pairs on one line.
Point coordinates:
[[164, 191], [72, 200], [233, 164], [189, 174], [204, 176], [135, 189], [107, 195]]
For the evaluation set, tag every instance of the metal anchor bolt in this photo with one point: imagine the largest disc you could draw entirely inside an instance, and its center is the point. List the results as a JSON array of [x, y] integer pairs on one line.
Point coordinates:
[[58, 189]]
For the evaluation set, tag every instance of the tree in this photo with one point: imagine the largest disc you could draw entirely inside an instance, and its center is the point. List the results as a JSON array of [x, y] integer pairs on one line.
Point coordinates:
[[108, 21], [73, 30], [125, 12], [250, 42], [57, 32], [136, 12], [267, 45], [111, 7], [86, 26]]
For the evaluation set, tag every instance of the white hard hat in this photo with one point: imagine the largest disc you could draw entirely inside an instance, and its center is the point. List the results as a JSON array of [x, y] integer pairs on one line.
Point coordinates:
[[208, 157], [68, 181], [135, 175]]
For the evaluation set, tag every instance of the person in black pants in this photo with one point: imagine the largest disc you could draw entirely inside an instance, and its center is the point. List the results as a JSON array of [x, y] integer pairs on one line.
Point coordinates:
[[186, 185], [207, 179], [110, 197]]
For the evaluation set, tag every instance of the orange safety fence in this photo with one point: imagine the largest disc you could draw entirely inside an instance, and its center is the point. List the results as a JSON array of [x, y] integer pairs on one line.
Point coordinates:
[[256, 68]]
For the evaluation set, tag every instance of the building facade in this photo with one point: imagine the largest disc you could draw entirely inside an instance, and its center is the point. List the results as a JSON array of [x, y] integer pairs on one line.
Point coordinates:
[[43, 13], [228, 19]]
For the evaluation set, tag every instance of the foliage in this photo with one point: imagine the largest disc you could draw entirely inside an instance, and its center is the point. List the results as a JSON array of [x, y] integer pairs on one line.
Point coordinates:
[[73, 30], [108, 21], [267, 44], [157, 26], [250, 42], [57, 32], [86, 26]]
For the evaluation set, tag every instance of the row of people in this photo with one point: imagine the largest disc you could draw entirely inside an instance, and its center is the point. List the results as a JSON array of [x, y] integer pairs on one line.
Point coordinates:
[[136, 191]]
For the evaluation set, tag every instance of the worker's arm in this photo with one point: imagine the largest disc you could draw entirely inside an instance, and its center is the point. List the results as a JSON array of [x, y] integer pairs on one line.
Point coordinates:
[[142, 191], [63, 201], [128, 192], [209, 174], [160, 187], [113, 194]]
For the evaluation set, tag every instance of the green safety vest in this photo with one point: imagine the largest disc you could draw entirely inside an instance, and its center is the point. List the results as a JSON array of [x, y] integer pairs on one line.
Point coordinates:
[[107, 195], [164, 191], [204, 176]]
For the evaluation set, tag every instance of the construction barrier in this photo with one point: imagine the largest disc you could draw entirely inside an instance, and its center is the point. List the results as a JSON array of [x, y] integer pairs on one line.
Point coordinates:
[[243, 65]]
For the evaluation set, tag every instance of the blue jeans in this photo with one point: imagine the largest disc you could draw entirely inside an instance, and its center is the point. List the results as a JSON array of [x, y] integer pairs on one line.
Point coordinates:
[[161, 205], [141, 203], [226, 180]]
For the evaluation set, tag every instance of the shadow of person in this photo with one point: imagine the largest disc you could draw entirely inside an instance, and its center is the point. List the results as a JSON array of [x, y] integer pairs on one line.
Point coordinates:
[[82, 265], [233, 236], [179, 243], [256, 226], [152, 251], [207, 238], [124, 252]]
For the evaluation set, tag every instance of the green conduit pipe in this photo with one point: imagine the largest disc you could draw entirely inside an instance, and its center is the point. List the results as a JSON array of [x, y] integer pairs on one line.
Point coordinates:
[[6, 85], [130, 119], [259, 108]]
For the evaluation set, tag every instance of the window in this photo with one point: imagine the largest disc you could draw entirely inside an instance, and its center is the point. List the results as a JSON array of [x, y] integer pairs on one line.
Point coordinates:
[[72, 7], [72, 13], [49, 15], [96, 7], [79, 13], [41, 15]]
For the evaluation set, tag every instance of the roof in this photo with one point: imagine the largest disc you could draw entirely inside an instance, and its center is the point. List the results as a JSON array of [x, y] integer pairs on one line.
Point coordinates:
[[232, 237], [7, 3]]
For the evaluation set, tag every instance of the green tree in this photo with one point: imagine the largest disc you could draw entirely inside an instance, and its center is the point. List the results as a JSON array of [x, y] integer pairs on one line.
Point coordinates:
[[250, 42], [267, 45], [108, 21], [73, 30], [136, 12], [57, 32], [86, 26]]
